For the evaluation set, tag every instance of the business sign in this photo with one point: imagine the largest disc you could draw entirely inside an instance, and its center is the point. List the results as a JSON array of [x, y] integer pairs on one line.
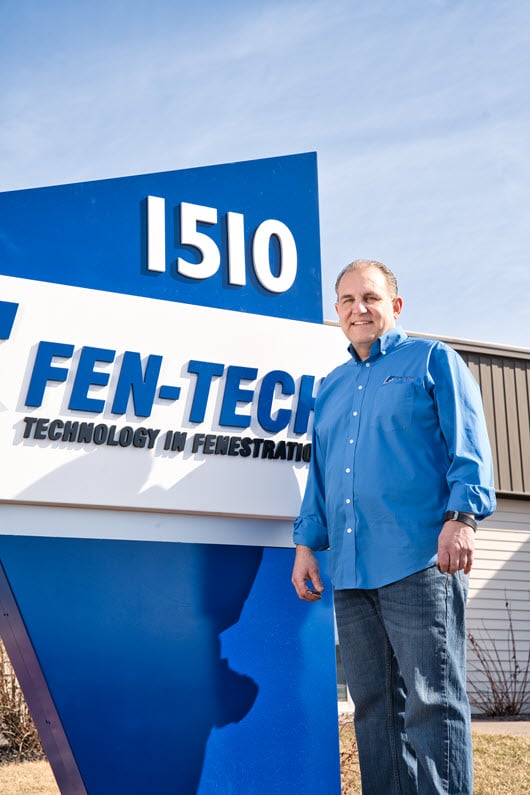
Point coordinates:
[[122, 401], [131, 396], [241, 236], [161, 346]]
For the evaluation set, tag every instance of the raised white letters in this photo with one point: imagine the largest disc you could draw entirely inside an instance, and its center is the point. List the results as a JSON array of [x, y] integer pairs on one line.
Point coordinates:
[[261, 256], [190, 215], [277, 278], [156, 234]]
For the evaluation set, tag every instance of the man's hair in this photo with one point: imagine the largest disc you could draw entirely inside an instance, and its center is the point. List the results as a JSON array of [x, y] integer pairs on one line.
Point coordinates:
[[357, 264]]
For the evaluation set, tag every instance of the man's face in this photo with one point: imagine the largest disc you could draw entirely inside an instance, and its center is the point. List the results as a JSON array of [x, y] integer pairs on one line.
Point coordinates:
[[365, 307]]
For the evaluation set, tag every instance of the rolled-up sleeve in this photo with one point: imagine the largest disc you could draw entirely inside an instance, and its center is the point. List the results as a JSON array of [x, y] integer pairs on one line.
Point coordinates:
[[463, 426], [310, 528]]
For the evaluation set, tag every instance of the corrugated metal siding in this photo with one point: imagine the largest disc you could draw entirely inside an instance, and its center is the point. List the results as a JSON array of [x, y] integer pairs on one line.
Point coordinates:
[[505, 385], [501, 575]]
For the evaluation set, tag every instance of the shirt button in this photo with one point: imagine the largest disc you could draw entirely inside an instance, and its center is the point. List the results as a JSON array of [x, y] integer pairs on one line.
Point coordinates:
[[348, 530], [360, 386], [367, 364], [355, 413], [347, 470], [348, 500], [384, 353], [351, 441]]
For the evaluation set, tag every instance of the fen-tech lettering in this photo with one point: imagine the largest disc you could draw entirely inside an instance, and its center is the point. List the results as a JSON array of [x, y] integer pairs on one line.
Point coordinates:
[[131, 380]]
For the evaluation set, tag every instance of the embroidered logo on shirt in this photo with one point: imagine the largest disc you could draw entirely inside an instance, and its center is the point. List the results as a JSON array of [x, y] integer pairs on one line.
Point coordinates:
[[400, 378]]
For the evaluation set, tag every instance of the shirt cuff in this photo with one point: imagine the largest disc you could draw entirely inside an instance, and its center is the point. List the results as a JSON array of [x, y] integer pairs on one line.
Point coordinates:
[[309, 531], [477, 500]]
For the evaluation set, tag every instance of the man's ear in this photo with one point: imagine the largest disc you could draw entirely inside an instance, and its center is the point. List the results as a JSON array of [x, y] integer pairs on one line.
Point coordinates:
[[397, 305]]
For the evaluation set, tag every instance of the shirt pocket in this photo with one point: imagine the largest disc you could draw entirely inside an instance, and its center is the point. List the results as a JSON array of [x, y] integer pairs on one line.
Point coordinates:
[[392, 408]]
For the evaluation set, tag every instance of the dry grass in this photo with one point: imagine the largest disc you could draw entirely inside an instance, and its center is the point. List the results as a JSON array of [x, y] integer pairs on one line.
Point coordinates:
[[349, 759], [27, 778], [502, 767], [502, 763]]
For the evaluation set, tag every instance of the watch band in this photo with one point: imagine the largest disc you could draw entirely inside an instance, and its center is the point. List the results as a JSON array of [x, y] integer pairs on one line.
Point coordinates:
[[457, 516]]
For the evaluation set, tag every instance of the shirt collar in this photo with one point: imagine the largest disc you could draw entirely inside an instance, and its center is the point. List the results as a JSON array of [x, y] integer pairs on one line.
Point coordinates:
[[386, 342]]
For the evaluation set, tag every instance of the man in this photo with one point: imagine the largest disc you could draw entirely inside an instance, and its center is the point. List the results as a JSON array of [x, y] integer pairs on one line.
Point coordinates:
[[401, 471]]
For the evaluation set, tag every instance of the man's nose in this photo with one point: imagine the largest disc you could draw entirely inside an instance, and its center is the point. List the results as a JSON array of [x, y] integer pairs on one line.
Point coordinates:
[[360, 307]]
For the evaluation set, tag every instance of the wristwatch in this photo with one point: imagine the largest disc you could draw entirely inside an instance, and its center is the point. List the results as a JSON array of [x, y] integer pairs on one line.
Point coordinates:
[[461, 517]]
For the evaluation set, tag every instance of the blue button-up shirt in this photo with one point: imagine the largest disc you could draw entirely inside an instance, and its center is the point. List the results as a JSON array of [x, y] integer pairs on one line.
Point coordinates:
[[398, 440]]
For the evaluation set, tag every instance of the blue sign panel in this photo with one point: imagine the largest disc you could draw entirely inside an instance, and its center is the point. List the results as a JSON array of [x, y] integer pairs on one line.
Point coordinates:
[[240, 236], [176, 668]]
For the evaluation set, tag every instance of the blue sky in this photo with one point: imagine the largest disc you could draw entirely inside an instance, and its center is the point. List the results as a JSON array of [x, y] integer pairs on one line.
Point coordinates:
[[419, 111]]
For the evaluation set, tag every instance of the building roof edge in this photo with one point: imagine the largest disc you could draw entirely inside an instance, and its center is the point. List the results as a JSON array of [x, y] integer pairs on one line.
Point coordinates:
[[472, 346]]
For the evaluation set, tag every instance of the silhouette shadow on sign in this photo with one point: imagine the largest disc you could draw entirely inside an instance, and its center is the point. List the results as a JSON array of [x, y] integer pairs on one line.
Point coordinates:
[[127, 635]]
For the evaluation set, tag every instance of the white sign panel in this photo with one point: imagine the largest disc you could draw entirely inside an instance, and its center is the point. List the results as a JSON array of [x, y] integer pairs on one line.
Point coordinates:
[[128, 402]]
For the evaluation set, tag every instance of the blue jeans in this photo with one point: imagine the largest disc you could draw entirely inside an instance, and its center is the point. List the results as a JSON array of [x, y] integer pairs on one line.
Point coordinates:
[[403, 648]]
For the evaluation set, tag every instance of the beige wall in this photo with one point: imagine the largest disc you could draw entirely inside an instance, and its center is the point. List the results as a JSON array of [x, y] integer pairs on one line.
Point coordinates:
[[501, 573]]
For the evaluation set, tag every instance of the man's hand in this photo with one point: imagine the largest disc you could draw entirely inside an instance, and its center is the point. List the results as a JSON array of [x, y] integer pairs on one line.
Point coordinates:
[[306, 569], [456, 544]]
